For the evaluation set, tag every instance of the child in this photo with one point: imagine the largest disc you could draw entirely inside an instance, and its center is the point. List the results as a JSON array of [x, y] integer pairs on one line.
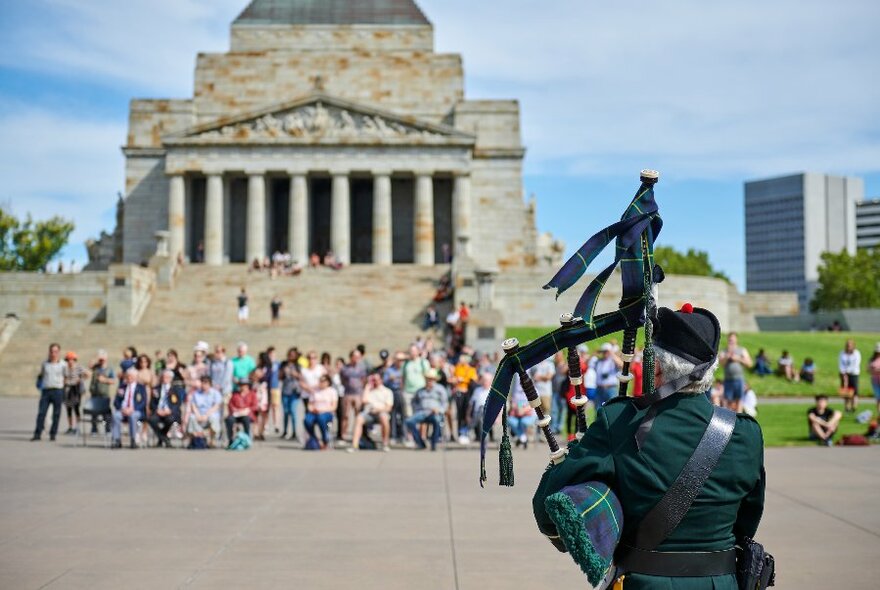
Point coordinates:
[[808, 371]]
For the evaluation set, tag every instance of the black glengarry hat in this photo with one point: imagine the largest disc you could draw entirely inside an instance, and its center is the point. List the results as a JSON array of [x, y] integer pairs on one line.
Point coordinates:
[[693, 333]]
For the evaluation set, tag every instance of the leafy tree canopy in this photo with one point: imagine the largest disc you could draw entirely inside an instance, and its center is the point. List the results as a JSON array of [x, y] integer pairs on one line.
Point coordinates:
[[692, 262], [847, 282], [29, 245]]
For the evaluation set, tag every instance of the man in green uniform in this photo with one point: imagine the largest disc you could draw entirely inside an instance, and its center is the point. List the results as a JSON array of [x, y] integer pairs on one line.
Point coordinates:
[[639, 450]]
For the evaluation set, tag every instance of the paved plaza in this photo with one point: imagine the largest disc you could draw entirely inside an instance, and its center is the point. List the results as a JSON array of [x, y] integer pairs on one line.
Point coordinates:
[[277, 517]]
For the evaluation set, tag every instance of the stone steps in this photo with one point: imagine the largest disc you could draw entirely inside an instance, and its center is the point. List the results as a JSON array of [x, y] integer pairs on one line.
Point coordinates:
[[381, 307]]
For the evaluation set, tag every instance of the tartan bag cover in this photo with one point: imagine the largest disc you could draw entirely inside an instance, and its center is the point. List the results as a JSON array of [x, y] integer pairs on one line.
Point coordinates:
[[589, 521]]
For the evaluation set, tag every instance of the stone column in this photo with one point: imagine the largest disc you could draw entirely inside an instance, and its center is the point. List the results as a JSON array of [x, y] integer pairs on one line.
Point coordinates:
[[214, 221], [176, 216], [256, 217], [298, 222], [461, 217], [340, 222], [424, 219], [382, 221]]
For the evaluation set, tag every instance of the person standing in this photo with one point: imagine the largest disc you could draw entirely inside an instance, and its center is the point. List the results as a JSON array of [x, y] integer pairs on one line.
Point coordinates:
[[392, 378], [272, 378], [75, 376], [874, 368], [414, 370], [50, 382], [220, 369], [464, 377], [849, 363], [353, 376], [735, 359], [640, 453], [290, 392], [275, 309], [129, 360], [243, 365], [243, 311], [100, 386], [543, 375], [607, 368]]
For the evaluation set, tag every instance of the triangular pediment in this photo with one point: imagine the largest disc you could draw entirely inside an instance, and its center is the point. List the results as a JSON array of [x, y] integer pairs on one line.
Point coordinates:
[[320, 119]]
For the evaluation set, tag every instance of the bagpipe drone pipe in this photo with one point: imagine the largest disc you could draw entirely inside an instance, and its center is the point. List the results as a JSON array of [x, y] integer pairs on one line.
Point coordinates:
[[633, 238]]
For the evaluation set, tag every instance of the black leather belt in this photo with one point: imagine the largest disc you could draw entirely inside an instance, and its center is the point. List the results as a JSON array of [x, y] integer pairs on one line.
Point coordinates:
[[676, 564]]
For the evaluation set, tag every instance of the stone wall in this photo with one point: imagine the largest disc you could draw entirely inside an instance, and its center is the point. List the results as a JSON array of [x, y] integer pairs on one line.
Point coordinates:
[[150, 120], [52, 299], [421, 84], [129, 292], [118, 296], [355, 38], [520, 297], [146, 206]]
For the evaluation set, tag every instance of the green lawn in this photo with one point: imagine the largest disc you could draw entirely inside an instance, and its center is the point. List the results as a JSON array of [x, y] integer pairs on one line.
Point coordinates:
[[785, 425], [823, 347]]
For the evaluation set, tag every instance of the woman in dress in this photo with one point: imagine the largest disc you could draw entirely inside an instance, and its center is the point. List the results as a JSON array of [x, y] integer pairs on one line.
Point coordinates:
[[74, 382]]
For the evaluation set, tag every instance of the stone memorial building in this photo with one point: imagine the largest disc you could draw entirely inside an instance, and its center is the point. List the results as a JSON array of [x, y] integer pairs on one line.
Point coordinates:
[[329, 126]]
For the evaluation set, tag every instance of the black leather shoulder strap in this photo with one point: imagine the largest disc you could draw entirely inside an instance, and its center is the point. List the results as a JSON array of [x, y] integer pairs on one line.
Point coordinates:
[[668, 513]]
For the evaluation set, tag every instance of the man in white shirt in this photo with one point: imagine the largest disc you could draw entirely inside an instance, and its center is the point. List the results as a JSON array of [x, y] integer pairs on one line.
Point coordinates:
[[849, 364], [542, 375], [377, 401], [607, 367]]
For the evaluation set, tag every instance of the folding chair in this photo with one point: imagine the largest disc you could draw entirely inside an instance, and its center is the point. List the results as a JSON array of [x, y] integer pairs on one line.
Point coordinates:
[[95, 410]]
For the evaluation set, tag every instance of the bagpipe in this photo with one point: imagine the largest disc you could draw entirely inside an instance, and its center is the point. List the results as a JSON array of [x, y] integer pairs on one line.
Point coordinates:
[[633, 237]]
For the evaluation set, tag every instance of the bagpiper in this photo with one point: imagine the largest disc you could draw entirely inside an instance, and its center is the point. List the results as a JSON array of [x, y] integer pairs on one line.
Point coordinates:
[[661, 491]]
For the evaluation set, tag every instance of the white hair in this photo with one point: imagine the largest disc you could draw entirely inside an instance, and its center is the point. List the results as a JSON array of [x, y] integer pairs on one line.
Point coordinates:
[[131, 371], [673, 366]]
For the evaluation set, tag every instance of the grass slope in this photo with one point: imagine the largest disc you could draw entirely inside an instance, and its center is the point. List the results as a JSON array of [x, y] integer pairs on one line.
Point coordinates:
[[823, 347], [785, 425]]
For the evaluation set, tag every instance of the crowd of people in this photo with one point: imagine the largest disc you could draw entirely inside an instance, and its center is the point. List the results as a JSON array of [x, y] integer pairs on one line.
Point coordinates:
[[415, 398]]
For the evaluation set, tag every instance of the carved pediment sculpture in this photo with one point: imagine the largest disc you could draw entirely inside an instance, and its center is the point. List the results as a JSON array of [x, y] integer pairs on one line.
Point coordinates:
[[320, 121]]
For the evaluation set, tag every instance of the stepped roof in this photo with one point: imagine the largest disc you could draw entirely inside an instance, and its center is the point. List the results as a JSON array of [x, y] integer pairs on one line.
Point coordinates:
[[332, 12]]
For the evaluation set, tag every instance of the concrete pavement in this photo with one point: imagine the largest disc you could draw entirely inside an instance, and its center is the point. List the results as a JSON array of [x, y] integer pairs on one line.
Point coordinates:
[[277, 517]]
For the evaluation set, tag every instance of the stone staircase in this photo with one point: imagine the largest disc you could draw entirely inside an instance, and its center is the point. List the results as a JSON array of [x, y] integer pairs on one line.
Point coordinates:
[[381, 307]]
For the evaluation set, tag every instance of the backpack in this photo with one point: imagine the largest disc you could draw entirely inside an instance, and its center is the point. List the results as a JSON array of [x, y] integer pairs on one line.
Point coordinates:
[[198, 443], [241, 442], [854, 440]]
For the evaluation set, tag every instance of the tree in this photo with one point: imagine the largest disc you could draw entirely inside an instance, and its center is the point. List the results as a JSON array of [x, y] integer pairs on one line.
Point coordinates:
[[847, 282], [29, 245], [693, 262]]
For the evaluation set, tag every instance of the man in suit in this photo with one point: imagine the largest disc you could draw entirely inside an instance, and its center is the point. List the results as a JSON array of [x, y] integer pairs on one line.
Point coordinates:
[[130, 405], [640, 458], [165, 405]]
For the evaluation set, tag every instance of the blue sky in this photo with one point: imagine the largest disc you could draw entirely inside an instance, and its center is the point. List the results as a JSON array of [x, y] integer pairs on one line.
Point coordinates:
[[711, 94]]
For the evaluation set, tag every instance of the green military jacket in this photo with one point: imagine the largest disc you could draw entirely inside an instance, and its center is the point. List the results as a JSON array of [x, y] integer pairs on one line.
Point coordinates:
[[729, 506]]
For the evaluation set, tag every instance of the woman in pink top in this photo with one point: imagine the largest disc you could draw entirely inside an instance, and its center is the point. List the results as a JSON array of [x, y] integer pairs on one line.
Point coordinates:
[[320, 411], [874, 368]]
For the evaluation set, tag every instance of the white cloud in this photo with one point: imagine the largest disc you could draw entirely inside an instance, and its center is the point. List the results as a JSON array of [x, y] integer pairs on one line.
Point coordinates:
[[150, 45], [697, 89], [701, 88], [55, 165]]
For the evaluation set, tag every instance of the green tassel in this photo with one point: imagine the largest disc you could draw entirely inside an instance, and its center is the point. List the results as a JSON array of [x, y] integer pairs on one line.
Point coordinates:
[[505, 456], [570, 524]]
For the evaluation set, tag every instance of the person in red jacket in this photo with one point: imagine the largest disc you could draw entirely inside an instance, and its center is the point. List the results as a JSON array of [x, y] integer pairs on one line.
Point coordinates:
[[242, 409], [635, 369]]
